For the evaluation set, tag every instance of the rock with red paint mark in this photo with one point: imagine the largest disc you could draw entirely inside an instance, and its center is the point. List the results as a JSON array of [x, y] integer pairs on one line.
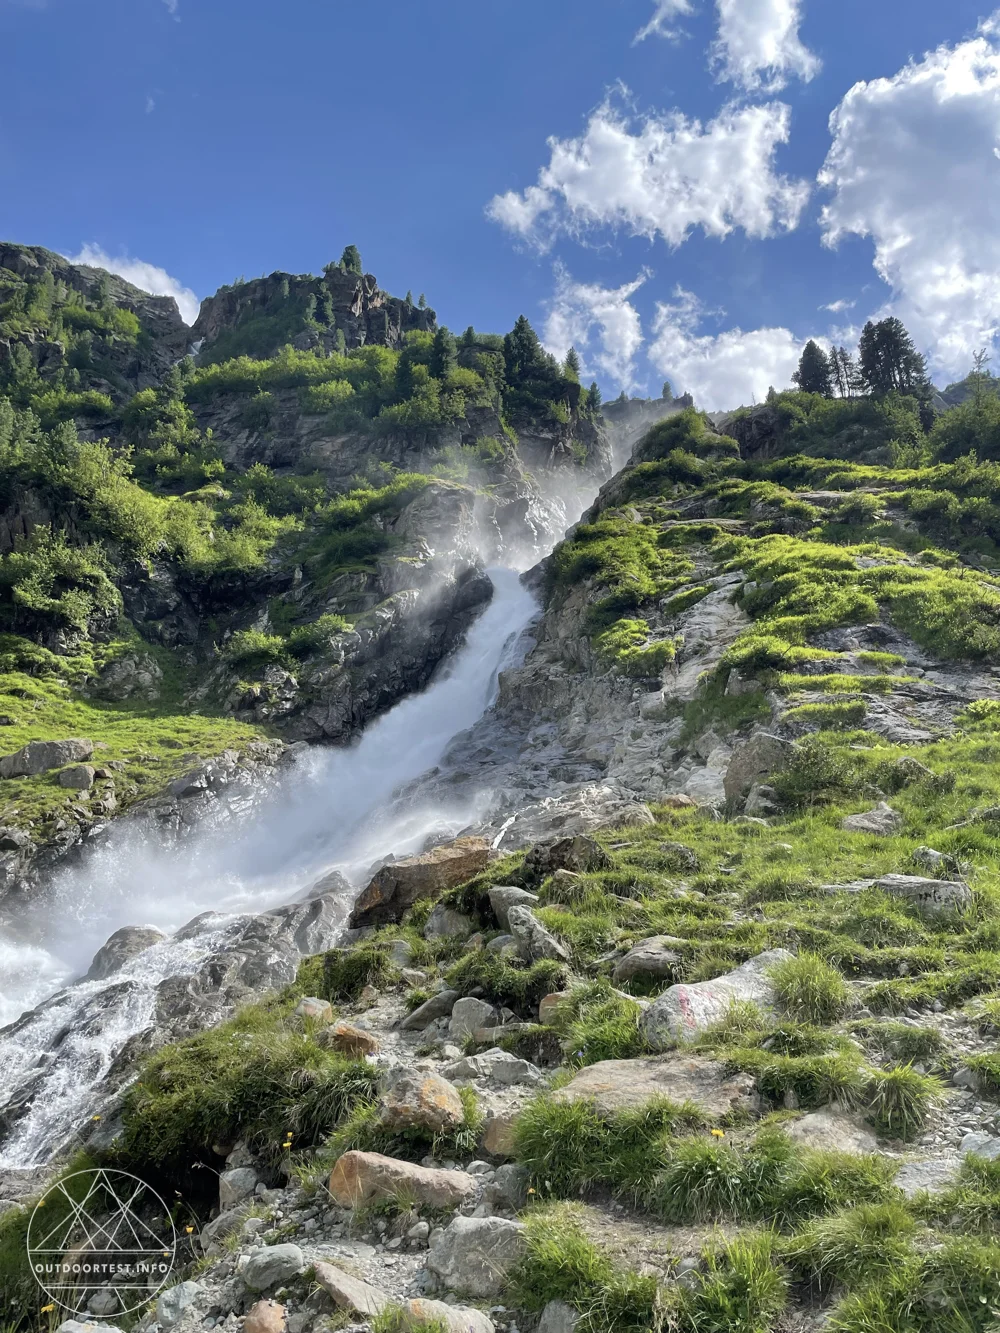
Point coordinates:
[[682, 1012]]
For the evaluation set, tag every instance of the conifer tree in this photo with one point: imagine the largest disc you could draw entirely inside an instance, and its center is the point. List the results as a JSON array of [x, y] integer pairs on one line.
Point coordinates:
[[350, 260], [444, 354], [571, 367], [814, 374]]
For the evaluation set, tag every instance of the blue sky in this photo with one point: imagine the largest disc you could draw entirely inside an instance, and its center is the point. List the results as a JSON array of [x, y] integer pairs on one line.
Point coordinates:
[[678, 228]]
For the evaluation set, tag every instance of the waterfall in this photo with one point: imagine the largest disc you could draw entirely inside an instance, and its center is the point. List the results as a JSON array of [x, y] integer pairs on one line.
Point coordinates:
[[334, 809]]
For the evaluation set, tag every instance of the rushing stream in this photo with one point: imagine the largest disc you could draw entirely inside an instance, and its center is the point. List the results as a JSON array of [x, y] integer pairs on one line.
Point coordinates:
[[334, 810]]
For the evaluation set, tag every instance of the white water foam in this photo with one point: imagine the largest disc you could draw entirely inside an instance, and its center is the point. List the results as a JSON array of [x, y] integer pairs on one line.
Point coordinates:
[[334, 810]]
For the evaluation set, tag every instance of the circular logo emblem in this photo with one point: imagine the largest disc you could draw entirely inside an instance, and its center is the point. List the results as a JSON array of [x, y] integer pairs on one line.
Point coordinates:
[[101, 1243]]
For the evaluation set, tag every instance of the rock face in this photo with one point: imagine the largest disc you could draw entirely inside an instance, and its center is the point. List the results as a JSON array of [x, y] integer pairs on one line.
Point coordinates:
[[623, 1085], [758, 757], [472, 1255], [933, 896], [39, 756], [421, 1101], [682, 1012], [883, 821], [359, 1177], [123, 945], [400, 884]]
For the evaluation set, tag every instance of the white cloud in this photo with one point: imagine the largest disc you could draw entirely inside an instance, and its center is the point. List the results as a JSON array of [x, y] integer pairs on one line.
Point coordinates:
[[665, 176], [150, 104], [578, 308], [838, 307], [758, 46], [723, 370], [148, 277], [914, 165], [661, 24]]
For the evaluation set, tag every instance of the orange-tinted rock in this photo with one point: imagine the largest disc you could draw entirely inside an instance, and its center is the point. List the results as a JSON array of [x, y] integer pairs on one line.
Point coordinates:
[[359, 1177], [422, 1101], [265, 1317], [400, 884], [350, 1039]]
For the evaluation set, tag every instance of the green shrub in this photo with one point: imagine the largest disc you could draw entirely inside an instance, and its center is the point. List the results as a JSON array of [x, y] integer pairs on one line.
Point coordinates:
[[742, 1288], [569, 1148], [809, 989], [520, 987], [304, 639], [252, 647], [852, 1246], [257, 1077], [901, 1100], [346, 972]]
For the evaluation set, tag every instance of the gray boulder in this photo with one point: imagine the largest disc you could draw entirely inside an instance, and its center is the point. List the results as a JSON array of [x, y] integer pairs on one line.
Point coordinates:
[[78, 777], [438, 1006], [452, 1318], [986, 1146], [534, 942], [758, 757], [834, 1130], [272, 1265], [882, 821], [505, 896], [655, 957], [625, 1085], [39, 756], [499, 1065], [421, 1101], [932, 1174], [174, 1301], [445, 923], [684, 1011], [558, 1317], [472, 1255], [578, 853], [120, 947], [236, 1185], [469, 1014], [933, 896]]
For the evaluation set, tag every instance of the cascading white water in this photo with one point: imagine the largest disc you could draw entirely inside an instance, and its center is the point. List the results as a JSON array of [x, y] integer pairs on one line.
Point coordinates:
[[333, 810]]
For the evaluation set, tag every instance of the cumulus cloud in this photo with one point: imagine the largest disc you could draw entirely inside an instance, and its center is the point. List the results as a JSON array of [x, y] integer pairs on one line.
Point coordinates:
[[662, 22], [661, 175], [722, 370], [914, 166], [838, 307], [758, 46], [600, 322], [148, 277]]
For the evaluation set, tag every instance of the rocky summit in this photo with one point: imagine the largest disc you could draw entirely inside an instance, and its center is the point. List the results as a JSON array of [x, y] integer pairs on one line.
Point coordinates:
[[487, 859]]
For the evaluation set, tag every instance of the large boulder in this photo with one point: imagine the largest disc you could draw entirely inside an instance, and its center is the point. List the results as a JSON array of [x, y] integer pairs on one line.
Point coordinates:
[[472, 1255], [78, 777], [505, 896], [758, 757], [834, 1130], [499, 1065], [359, 1177], [578, 853], [347, 1292], [421, 1101], [933, 896], [444, 923], [534, 942], [453, 1318], [655, 957], [236, 1185], [272, 1265], [39, 756], [438, 1006], [120, 947], [400, 884], [624, 1085], [932, 1174], [684, 1011], [883, 821], [468, 1015]]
